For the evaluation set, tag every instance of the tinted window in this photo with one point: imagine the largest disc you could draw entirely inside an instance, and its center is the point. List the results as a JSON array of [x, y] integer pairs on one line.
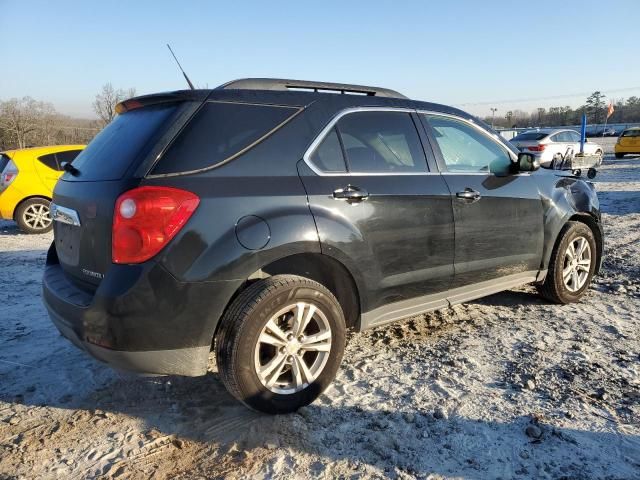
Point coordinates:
[[66, 157], [529, 136], [381, 142], [328, 156], [465, 149], [49, 160], [220, 131], [120, 143]]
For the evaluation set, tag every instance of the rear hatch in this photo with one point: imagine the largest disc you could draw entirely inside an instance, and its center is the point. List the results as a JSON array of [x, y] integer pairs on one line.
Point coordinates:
[[114, 162], [630, 138]]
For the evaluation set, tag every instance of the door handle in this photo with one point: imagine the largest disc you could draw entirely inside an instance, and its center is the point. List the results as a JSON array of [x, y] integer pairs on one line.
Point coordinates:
[[350, 193], [469, 194]]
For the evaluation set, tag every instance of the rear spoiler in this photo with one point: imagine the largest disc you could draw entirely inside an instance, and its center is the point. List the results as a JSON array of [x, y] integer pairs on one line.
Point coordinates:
[[157, 98]]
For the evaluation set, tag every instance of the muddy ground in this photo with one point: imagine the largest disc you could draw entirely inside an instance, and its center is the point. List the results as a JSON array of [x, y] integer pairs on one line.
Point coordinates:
[[509, 386]]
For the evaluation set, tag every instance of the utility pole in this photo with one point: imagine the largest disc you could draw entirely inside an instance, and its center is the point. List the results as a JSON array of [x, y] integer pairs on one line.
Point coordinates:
[[493, 114]]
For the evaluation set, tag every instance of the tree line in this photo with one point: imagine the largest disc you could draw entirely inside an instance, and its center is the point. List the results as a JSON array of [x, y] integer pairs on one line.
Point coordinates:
[[26, 122], [595, 107]]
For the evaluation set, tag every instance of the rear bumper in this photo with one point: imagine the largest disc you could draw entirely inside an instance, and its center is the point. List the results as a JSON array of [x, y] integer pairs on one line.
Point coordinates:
[[184, 361], [140, 318]]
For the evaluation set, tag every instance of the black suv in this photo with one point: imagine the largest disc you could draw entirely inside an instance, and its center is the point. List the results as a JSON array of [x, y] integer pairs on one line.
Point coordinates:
[[267, 217]]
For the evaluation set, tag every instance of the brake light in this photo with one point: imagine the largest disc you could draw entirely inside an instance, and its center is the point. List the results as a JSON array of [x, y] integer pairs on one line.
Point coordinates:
[[146, 219], [537, 148]]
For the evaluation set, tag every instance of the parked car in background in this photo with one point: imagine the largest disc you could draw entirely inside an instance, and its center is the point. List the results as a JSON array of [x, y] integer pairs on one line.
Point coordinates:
[[27, 178], [553, 146], [264, 218], [628, 142]]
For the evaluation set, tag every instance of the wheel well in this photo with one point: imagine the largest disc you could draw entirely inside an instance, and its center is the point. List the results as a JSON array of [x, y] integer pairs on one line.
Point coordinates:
[[592, 223], [25, 199], [321, 268]]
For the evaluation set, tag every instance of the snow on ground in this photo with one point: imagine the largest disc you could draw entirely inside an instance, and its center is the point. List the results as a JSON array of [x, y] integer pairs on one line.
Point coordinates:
[[504, 387]]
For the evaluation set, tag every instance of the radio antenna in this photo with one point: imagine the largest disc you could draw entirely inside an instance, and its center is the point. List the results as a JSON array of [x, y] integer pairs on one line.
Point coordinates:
[[180, 67]]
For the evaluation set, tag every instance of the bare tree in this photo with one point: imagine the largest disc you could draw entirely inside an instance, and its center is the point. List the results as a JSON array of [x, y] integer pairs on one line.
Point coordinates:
[[105, 102], [22, 119]]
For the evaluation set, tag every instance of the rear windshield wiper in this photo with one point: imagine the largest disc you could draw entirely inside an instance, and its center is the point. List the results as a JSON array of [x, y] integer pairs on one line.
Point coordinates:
[[71, 169]]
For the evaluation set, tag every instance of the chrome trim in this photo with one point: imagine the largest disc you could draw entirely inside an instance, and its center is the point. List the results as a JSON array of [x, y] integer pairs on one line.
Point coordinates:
[[321, 136], [493, 136], [64, 215]]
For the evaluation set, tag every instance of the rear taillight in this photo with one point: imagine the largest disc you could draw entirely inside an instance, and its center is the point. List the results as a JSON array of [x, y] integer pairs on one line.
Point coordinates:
[[8, 175], [146, 219], [537, 148]]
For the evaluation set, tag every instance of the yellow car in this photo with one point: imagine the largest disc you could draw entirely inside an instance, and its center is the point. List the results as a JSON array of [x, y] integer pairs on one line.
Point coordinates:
[[628, 142], [27, 178]]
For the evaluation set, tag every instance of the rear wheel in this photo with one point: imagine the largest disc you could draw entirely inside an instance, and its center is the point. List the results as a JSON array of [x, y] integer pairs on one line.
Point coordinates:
[[572, 264], [619, 155], [280, 343], [33, 216]]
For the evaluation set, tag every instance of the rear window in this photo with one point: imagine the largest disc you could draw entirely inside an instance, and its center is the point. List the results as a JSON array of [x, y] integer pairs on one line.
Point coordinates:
[[631, 133], [121, 142], [529, 136], [4, 161], [219, 132]]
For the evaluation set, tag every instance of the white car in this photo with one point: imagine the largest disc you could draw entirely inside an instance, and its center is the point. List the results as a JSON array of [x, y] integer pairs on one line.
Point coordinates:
[[553, 146]]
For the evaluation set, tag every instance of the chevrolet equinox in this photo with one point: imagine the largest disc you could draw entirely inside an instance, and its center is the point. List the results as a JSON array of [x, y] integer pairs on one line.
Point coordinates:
[[264, 218]]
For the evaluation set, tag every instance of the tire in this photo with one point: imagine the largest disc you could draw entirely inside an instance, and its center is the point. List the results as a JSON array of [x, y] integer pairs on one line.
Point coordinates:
[[240, 355], [619, 155], [555, 288], [32, 216]]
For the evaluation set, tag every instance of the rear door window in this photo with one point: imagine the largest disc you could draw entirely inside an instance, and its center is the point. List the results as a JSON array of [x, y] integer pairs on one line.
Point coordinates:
[[127, 138], [328, 157], [381, 142], [220, 132], [49, 160]]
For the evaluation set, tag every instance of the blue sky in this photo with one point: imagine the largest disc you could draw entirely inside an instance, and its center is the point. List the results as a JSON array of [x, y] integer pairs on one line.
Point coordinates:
[[453, 52]]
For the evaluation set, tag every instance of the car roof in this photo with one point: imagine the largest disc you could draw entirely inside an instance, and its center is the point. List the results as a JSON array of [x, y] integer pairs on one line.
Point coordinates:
[[42, 150], [299, 93]]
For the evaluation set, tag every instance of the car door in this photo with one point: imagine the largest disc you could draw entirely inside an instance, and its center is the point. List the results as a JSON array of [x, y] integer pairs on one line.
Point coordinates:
[[498, 215], [378, 208]]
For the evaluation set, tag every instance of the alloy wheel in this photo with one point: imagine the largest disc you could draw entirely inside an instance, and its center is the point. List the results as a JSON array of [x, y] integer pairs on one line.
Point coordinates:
[[37, 216], [293, 348], [577, 264]]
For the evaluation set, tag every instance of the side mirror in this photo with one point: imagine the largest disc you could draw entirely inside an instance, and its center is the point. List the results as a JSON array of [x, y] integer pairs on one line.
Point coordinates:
[[527, 162]]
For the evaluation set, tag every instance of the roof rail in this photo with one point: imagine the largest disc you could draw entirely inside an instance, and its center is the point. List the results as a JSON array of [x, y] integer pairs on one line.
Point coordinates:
[[306, 85]]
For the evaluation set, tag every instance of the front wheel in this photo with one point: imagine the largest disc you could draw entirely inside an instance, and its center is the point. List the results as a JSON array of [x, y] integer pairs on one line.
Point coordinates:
[[280, 343], [572, 264]]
